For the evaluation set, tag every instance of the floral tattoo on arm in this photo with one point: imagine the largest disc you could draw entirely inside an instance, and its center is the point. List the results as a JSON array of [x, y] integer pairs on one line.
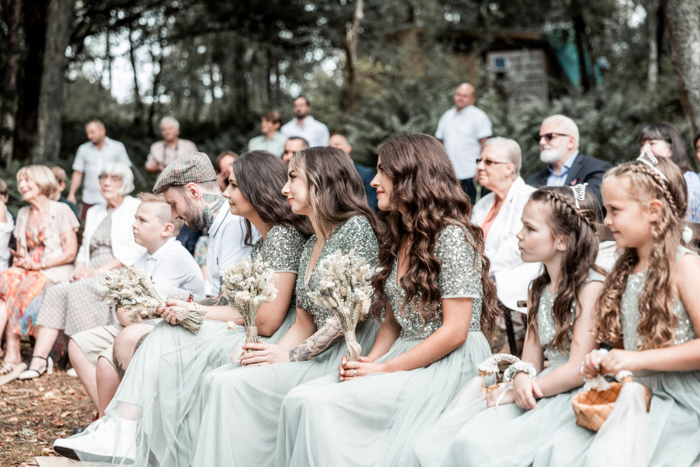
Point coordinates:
[[324, 338]]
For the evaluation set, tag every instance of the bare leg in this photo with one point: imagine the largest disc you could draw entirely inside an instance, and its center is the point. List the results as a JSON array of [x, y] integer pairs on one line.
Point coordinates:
[[107, 384], [126, 344], [13, 353], [85, 370], [44, 343]]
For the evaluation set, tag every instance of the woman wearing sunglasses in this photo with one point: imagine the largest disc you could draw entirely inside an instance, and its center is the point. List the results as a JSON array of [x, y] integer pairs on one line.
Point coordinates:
[[498, 214], [566, 166]]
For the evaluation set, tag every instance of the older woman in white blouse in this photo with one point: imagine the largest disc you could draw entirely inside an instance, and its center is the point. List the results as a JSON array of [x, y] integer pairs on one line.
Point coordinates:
[[499, 213]]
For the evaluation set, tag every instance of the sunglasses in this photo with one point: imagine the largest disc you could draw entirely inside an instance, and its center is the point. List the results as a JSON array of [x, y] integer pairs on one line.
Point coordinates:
[[547, 137], [489, 162]]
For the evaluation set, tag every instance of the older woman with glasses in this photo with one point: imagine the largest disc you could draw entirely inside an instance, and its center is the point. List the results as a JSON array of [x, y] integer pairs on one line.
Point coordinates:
[[108, 243], [46, 248], [498, 214]]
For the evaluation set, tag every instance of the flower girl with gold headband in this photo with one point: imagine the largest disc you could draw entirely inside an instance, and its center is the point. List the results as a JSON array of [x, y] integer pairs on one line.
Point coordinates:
[[558, 231], [434, 296], [242, 405], [148, 419], [650, 305]]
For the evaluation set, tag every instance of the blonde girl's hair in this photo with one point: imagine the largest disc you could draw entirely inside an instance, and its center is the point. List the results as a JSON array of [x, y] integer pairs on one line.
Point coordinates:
[[657, 322], [42, 176], [577, 224]]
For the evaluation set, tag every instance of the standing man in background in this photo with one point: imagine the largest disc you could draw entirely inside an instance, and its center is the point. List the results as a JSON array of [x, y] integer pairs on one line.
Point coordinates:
[[164, 152], [88, 163], [305, 126], [463, 130]]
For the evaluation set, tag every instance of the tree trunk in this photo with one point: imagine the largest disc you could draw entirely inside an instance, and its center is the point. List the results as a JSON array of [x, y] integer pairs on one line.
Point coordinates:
[[580, 30], [240, 89], [350, 45], [651, 7], [268, 77], [108, 53], [683, 25], [213, 107], [138, 103], [35, 20], [48, 143], [9, 83]]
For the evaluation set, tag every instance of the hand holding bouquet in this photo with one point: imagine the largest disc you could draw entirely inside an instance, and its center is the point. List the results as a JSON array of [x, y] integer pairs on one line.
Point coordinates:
[[249, 285], [346, 288], [129, 288]]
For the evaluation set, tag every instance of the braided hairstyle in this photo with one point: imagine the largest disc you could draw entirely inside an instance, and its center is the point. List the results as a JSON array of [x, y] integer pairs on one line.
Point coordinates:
[[657, 322], [578, 225]]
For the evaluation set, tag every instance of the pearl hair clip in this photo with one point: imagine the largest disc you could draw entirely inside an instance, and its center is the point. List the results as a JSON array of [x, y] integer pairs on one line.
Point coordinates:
[[648, 158], [579, 193]]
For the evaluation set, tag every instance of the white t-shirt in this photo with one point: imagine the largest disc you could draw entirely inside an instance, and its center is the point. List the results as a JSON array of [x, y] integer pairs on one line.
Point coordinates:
[[173, 263], [313, 131], [226, 245], [89, 160], [6, 229], [461, 132]]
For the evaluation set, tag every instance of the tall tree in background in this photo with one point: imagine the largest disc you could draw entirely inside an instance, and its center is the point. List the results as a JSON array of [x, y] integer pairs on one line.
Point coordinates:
[[9, 83], [349, 42]]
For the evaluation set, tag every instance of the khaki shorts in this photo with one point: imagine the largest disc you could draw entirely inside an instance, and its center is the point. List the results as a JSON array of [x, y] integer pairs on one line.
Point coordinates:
[[98, 342]]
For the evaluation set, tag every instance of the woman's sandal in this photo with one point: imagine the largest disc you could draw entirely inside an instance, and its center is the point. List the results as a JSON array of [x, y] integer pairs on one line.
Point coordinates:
[[31, 374], [9, 371]]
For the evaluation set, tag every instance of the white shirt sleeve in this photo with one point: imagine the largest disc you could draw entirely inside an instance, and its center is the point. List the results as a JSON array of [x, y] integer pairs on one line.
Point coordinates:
[[483, 126], [233, 248], [440, 132], [123, 156], [180, 269], [79, 161], [324, 135]]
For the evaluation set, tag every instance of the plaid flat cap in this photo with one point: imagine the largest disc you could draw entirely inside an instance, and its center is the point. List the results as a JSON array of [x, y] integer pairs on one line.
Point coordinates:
[[190, 168]]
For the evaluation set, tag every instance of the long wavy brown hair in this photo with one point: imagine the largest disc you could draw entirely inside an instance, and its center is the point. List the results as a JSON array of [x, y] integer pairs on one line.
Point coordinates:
[[427, 190], [657, 322], [336, 191], [260, 176], [578, 226]]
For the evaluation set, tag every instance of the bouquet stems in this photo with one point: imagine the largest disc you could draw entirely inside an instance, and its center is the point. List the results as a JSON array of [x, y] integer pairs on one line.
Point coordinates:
[[354, 349]]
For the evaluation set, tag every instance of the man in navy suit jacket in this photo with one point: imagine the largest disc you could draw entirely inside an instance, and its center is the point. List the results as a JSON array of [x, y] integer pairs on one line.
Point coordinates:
[[566, 166], [366, 173]]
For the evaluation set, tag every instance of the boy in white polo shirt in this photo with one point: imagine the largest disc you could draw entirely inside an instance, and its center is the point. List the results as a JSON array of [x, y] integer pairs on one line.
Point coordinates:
[[165, 261]]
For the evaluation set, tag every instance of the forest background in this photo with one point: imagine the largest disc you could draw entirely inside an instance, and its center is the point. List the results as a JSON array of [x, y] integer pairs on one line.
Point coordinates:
[[372, 69]]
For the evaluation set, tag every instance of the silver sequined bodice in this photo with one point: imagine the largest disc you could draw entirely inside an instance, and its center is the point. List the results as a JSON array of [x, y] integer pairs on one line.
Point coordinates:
[[460, 276], [356, 233], [546, 328], [685, 331]]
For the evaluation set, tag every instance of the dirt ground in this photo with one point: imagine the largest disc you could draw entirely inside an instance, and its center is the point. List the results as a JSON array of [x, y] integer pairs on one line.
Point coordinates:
[[34, 413]]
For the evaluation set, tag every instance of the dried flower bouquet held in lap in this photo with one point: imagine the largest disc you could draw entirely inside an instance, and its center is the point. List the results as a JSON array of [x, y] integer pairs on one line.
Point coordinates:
[[129, 288], [346, 288], [248, 285]]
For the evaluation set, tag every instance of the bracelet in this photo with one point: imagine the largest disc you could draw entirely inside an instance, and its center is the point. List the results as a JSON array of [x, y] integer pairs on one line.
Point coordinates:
[[519, 367]]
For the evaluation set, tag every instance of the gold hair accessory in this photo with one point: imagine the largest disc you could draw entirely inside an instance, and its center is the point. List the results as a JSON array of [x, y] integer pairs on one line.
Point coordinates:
[[648, 158], [579, 193]]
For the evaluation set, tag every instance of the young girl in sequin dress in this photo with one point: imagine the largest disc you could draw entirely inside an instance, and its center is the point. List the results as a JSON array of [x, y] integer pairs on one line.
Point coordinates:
[[241, 406], [148, 420], [558, 231], [650, 306], [434, 296]]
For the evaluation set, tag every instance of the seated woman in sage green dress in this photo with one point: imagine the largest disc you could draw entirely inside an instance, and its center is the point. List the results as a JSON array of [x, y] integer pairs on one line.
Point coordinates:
[[435, 297], [242, 405], [559, 231], [149, 417]]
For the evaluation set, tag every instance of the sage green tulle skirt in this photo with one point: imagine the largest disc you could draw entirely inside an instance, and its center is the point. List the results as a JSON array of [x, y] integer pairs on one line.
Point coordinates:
[[161, 386], [673, 426], [375, 420], [241, 405]]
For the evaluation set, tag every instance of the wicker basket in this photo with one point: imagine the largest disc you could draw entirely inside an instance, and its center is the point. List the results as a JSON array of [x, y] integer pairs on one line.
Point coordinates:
[[593, 407], [491, 366]]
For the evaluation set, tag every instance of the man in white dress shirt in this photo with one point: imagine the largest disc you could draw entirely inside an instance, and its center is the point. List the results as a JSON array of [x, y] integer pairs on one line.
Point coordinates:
[[165, 261], [88, 163], [305, 126], [463, 130]]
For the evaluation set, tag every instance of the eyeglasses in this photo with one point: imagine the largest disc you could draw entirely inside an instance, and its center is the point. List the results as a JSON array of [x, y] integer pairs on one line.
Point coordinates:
[[113, 178], [547, 136], [489, 162]]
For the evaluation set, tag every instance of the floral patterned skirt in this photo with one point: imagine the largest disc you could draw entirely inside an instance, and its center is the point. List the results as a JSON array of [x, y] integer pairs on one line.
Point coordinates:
[[23, 293]]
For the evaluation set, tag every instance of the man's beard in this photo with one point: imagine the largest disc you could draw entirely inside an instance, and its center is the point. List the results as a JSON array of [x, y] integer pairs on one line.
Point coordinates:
[[302, 115], [194, 217], [550, 156]]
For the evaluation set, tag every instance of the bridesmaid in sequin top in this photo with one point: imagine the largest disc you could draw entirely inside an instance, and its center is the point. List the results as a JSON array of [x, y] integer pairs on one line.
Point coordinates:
[[650, 307], [434, 296], [242, 408], [558, 231]]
